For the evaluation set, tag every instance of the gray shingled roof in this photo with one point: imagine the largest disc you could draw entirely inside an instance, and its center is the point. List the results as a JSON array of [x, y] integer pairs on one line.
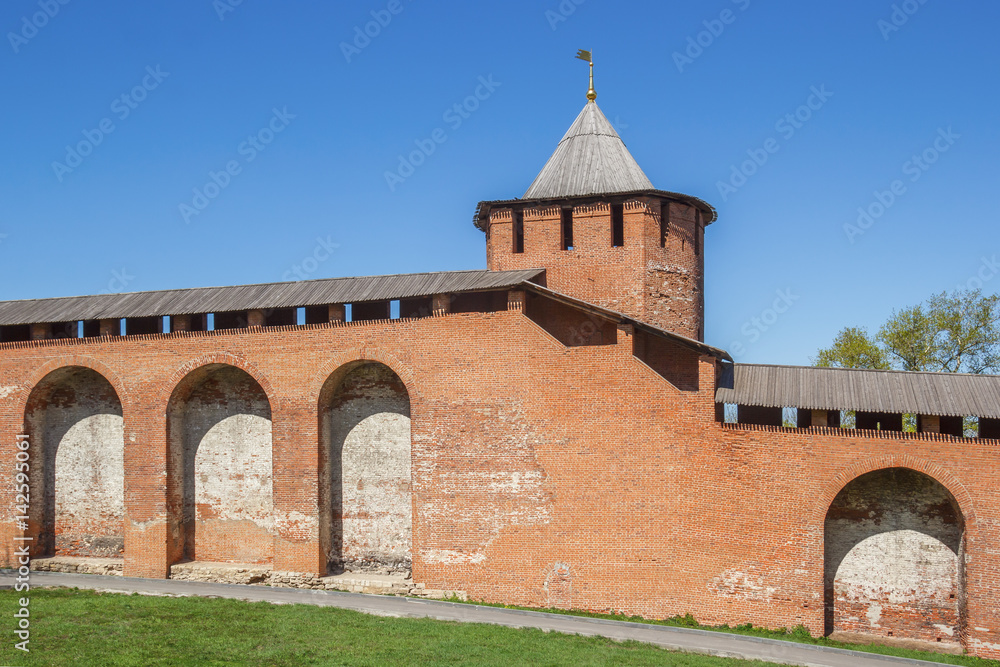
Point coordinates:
[[811, 388], [590, 159], [250, 297]]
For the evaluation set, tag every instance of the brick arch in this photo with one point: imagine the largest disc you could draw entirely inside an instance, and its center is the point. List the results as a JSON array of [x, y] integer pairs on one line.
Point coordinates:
[[223, 358], [45, 516], [343, 542], [77, 361], [316, 386], [936, 472], [186, 522]]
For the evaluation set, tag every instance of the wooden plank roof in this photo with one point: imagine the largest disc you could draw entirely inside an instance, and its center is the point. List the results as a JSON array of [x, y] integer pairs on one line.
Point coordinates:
[[305, 293], [590, 159], [811, 388], [250, 297]]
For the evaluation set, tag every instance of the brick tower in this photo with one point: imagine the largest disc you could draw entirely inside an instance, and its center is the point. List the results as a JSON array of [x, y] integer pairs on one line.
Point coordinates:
[[603, 233]]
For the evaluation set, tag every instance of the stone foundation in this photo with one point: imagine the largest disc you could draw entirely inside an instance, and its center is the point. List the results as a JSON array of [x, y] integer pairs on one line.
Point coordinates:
[[106, 566], [351, 582]]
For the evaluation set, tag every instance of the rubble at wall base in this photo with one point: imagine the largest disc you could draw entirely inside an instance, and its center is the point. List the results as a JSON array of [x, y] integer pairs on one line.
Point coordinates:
[[351, 582], [105, 566]]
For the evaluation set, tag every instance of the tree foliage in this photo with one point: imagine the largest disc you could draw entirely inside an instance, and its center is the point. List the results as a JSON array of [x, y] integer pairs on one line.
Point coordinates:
[[853, 348], [950, 333]]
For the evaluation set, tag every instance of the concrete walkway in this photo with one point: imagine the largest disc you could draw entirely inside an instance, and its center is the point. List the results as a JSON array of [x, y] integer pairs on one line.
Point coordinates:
[[679, 639]]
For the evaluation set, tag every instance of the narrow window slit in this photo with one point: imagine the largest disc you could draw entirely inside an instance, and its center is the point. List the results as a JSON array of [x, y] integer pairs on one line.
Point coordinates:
[[664, 223], [617, 225], [567, 229]]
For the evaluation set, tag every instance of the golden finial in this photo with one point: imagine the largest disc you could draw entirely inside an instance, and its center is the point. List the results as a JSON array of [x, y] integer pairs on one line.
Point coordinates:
[[589, 57]]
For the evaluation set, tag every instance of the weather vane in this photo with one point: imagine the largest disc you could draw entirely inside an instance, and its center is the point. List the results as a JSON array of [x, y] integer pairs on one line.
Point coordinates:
[[589, 57]]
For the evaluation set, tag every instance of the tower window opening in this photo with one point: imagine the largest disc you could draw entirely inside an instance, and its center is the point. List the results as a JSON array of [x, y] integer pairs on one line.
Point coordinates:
[[567, 229], [617, 225], [664, 223], [697, 233], [519, 232]]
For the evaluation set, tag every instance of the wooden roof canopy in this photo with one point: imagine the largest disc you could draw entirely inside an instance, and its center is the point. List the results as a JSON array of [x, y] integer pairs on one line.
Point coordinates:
[[895, 392], [591, 164]]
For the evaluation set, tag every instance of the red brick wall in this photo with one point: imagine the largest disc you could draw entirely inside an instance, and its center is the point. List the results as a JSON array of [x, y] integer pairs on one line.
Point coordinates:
[[660, 285], [785, 483], [668, 358], [541, 474], [674, 281]]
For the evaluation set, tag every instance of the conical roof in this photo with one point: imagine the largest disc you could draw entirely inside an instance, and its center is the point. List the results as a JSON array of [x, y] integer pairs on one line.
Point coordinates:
[[591, 159]]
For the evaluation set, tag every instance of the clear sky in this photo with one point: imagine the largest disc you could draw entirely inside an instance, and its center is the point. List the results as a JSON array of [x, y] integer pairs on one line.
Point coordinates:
[[114, 114]]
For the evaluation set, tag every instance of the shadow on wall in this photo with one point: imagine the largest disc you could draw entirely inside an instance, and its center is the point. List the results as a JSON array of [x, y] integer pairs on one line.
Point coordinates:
[[895, 559], [365, 431], [220, 470], [76, 422]]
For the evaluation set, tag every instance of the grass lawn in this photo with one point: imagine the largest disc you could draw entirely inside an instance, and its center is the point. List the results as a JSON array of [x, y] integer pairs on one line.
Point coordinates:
[[800, 635], [74, 627]]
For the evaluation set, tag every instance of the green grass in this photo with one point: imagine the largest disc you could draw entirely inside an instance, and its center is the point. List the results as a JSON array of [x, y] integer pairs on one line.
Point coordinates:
[[73, 627], [799, 634]]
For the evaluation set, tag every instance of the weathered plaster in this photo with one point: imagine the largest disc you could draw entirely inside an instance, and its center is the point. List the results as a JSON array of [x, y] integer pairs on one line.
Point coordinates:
[[78, 484], [893, 546], [370, 452], [485, 484], [225, 431]]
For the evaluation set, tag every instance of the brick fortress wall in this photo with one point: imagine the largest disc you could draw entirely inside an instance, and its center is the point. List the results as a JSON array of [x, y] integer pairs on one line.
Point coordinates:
[[546, 468]]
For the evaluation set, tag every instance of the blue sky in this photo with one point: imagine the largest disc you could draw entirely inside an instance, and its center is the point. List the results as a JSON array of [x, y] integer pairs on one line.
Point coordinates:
[[201, 77]]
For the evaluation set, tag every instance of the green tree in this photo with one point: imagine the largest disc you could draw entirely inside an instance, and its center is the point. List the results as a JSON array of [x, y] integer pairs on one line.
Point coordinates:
[[909, 340], [853, 348], [956, 333], [969, 332], [949, 333]]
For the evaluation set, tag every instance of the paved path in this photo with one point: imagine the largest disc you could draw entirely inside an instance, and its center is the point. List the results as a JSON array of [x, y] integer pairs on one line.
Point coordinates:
[[680, 639]]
